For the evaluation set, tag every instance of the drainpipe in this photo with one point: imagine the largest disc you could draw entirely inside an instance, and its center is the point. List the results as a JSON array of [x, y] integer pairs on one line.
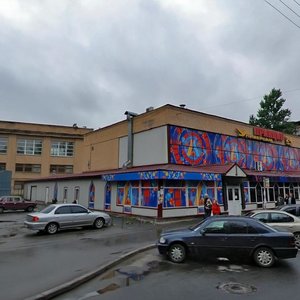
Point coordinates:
[[129, 162]]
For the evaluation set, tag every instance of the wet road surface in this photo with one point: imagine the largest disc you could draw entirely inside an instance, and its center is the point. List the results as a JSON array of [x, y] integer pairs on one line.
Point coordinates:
[[31, 263], [150, 276]]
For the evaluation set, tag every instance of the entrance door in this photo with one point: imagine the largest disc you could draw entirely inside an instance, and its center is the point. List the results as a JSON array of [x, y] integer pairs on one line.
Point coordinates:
[[234, 200]]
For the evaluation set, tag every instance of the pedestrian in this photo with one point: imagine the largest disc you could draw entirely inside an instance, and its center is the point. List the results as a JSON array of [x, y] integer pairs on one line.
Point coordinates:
[[286, 199], [291, 199], [207, 206], [74, 201], [280, 201], [216, 210]]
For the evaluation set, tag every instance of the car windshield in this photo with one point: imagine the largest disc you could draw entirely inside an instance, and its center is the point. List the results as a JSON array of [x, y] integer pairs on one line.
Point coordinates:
[[47, 209], [194, 227]]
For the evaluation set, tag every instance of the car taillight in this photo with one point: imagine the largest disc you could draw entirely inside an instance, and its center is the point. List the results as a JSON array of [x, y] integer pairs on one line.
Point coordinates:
[[35, 219]]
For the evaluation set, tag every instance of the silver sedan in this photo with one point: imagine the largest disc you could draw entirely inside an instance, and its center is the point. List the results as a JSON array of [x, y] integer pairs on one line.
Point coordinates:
[[64, 216], [280, 220]]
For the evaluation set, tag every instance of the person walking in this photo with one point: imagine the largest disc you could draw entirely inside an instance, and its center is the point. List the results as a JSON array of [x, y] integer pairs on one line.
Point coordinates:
[[207, 206], [216, 210]]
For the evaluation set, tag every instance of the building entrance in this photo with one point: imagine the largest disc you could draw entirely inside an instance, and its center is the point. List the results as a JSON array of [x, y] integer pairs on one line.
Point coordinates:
[[234, 200]]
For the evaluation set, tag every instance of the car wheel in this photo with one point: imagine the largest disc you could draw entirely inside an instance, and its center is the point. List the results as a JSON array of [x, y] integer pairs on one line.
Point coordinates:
[[177, 253], [297, 239], [1, 210], [264, 257], [99, 223], [30, 208], [52, 228]]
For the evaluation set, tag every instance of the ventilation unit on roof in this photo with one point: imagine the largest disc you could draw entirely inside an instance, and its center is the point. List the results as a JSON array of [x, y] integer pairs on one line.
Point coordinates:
[[150, 108]]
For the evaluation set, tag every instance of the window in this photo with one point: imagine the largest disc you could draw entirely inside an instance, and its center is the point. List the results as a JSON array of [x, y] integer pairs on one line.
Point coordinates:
[[63, 210], [128, 193], [78, 210], [281, 218], [19, 187], [3, 145], [257, 228], [2, 166], [61, 148], [61, 169], [237, 227], [30, 168], [263, 217], [216, 227], [29, 147], [174, 193], [76, 193], [65, 197], [149, 193]]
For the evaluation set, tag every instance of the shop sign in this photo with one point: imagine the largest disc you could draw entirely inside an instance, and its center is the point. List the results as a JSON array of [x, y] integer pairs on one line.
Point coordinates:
[[271, 134], [265, 135]]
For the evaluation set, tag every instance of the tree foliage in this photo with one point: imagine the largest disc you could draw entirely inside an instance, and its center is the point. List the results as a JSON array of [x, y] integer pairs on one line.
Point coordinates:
[[271, 115]]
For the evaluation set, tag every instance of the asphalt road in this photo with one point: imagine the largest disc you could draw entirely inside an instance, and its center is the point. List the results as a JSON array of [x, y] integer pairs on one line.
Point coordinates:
[[32, 263], [149, 276]]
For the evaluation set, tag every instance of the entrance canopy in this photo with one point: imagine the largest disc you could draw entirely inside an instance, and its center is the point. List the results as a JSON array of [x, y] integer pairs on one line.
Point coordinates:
[[274, 176]]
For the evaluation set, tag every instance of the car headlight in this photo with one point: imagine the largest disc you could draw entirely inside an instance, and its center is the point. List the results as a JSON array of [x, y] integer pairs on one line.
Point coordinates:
[[162, 240]]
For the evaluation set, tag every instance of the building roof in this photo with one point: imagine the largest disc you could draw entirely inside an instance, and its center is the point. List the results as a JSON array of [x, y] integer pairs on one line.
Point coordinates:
[[212, 172]]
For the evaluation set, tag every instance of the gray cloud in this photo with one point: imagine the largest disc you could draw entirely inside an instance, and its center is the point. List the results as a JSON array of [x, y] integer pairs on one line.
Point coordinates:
[[86, 62]]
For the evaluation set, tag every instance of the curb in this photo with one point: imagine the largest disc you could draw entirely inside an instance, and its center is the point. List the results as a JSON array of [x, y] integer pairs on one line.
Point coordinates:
[[66, 287]]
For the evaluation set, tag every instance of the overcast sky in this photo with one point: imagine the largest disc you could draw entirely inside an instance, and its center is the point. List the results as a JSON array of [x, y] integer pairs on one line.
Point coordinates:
[[89, 61]]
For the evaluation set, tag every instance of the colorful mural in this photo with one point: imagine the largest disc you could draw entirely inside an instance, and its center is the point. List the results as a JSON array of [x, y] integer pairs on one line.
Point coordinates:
[[128, 193], [191, 147], [107, 205], [162, 174], [91, 195], [149, 193]]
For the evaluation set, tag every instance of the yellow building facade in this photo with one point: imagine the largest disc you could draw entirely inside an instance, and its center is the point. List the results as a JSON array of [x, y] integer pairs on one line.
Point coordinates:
[[31, 150]]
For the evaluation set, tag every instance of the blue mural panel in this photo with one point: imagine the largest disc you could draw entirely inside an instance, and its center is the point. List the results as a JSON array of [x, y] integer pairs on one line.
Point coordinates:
[[191, 147]]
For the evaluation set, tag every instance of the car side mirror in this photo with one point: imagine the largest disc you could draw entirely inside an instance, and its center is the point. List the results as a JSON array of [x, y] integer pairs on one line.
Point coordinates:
[[202, 232]]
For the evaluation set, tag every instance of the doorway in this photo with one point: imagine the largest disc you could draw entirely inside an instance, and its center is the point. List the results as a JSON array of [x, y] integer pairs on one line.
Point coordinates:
[[234, 200]]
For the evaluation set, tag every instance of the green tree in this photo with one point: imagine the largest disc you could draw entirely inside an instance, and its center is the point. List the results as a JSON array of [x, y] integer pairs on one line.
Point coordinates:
[[271, 115]]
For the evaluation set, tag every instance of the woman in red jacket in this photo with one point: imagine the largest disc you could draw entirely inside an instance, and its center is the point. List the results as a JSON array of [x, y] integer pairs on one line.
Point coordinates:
[[216, 210]]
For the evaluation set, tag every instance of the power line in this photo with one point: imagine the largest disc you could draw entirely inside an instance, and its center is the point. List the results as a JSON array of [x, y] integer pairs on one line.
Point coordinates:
[[297, 2], [289, 8], [247, 100], [282, 14]]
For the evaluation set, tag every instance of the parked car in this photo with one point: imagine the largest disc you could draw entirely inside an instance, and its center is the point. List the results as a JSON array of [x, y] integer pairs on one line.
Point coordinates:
[[64, 216], [229, 236], [16, 203], [279, 219], [293, 209]]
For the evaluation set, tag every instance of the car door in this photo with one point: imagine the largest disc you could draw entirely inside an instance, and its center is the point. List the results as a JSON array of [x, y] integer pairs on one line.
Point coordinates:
[[19, 203], [9, 203], [63, 216], [81, 216], [210, 239], [282, 221], [241, 239]]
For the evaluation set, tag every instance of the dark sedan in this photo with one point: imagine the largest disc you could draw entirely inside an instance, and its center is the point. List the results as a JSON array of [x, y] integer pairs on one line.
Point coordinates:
[[229, 236], [293, 209]]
